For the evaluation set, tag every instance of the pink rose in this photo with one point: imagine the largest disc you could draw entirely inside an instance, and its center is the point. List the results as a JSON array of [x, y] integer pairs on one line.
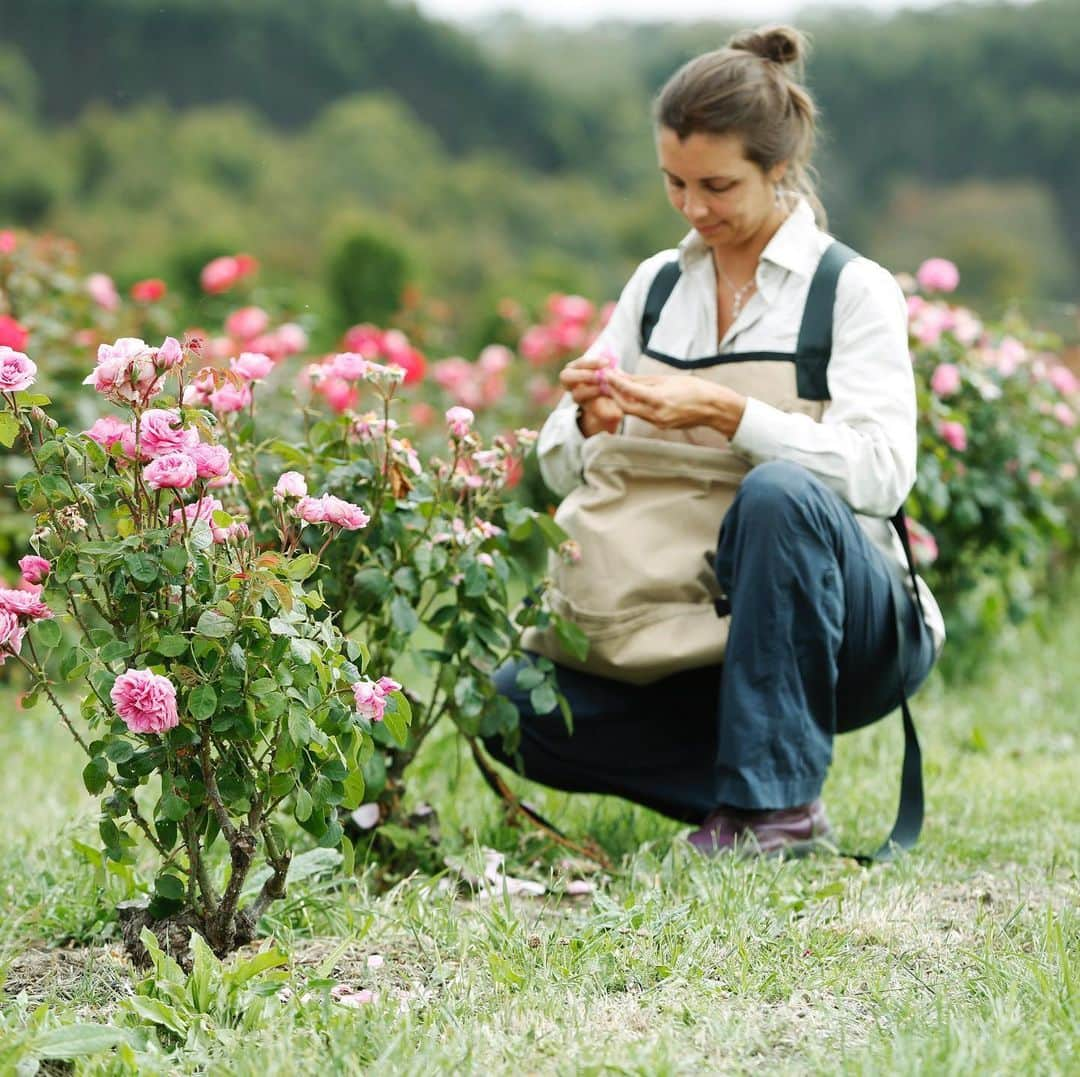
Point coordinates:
[[1063, 379], [25, 603], [201, 511], [160, 432], [197, 393], [536, 345], [252, 366], [1065, 415], [365, 339], [946, 379], [339, 394], [311, 510], [247, 322], [291, 339], [494, 359], [238, 529], [12, 632], [349, 365], [171, 471], [148, 291], [170, 354], [145, 701], [332, 510], [1011, 354], [370, 701], [33, 568], [219, 275], [13, 334], [102, 291], [954, 435], [368, 426], [17, 372], [8, 242], [570, 308], [459, 420], [126, 370], [230, 398], [290, 484], [452, 373], [211, 461], [422, 413], [938, 275], [386, 685], [107, 431]]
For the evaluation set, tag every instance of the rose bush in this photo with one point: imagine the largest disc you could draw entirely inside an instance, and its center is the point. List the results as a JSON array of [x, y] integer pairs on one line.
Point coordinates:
[[218, 691]]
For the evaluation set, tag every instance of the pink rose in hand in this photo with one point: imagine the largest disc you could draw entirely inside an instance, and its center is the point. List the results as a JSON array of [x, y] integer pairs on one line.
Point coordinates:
[[172, 471], [145, 701], [17, 372], [33, 568]]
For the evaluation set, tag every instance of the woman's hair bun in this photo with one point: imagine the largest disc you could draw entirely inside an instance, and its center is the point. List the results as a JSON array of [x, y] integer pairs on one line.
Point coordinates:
[[781, 44]]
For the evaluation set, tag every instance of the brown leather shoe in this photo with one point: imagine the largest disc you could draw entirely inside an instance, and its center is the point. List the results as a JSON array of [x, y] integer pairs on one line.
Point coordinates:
[[793, 831]]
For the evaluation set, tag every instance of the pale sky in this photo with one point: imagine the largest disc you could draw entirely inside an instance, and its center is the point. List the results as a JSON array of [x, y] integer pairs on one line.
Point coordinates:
[[586, 11]]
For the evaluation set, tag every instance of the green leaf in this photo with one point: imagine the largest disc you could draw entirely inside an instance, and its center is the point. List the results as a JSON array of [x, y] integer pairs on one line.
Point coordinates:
[[553, 534], [528, 678], [47, 633], [354, 789], [173, 807], [303, 805], [96, 775], [118, 648], [573, 639], [142, 567], [543, 699], [171, 646], [77, 1041], [476, 580], [9, 429], [175, 559], [202, 702], [302, 567], [403, 615], [169, 887], [66, 565], [156, 1012], [213, 625], [397, 717]]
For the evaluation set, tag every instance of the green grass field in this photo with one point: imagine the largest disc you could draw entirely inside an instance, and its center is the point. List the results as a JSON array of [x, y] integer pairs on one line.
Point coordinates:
[[962, 958]]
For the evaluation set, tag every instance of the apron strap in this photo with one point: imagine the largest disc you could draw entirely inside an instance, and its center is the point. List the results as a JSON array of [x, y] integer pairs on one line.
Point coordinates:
[[663, 284], [815, 334]]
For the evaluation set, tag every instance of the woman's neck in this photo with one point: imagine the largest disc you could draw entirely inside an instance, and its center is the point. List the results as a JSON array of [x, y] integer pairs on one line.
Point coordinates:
[[740, 261]]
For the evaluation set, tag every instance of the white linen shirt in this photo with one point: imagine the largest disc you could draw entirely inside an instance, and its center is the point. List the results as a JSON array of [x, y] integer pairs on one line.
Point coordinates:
[[864, 448]]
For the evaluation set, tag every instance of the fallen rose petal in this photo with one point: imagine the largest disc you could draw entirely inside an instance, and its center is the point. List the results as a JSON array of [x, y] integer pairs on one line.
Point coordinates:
[[366, 816]]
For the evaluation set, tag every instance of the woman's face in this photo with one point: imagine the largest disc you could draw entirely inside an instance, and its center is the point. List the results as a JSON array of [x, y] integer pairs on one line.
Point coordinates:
[[728, 199]]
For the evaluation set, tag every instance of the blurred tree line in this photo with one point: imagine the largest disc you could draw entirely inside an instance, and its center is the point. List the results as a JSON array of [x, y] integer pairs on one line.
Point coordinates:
[[161, 134]]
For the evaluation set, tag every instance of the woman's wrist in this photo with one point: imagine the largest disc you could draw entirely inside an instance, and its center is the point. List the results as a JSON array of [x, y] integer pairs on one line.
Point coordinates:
[[727, 411]]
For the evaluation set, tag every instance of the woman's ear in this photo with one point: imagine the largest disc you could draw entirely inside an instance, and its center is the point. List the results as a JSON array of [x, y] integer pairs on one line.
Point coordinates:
[[778, 172]]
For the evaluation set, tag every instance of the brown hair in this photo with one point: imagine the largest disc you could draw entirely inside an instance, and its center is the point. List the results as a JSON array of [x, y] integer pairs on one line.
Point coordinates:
[[744, 89]]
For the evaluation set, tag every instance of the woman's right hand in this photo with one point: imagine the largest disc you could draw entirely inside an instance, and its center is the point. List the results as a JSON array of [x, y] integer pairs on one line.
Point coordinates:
[[585, 379]]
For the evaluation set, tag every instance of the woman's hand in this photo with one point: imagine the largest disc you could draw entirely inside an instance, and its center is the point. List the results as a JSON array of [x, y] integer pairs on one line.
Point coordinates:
[[587, 380], [674, 402]]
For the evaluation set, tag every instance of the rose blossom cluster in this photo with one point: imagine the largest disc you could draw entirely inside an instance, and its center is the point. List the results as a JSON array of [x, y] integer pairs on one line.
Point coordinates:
[[392, 345], [475, 385], [570, 324], [371, 697], [20, 606], [145, 701], [328, 509], [336, 378], [248, 329], [173, 454], [130, 371]]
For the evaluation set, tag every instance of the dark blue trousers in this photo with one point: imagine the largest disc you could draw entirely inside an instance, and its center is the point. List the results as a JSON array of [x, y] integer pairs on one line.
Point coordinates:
[[813, 651]]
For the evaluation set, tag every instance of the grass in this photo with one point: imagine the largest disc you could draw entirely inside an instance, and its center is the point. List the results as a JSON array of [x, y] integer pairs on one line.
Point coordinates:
[[962, 958]]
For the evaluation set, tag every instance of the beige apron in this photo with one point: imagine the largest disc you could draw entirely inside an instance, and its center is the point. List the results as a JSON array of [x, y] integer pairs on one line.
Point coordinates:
[[647, 514]]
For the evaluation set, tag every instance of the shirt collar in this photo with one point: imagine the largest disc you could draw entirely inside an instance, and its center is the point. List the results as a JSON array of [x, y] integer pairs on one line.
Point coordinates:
[[794, 245]]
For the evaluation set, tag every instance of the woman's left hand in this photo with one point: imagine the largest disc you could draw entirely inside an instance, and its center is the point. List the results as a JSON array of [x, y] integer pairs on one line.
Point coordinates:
[[674, 402]]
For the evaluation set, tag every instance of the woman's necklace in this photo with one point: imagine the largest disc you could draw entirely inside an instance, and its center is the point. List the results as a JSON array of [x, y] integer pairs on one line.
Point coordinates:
[[739, 296]]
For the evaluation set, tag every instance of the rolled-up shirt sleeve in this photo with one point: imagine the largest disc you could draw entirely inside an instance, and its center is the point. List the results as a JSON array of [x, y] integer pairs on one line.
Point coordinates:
[[865, 446], [558, 449]]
